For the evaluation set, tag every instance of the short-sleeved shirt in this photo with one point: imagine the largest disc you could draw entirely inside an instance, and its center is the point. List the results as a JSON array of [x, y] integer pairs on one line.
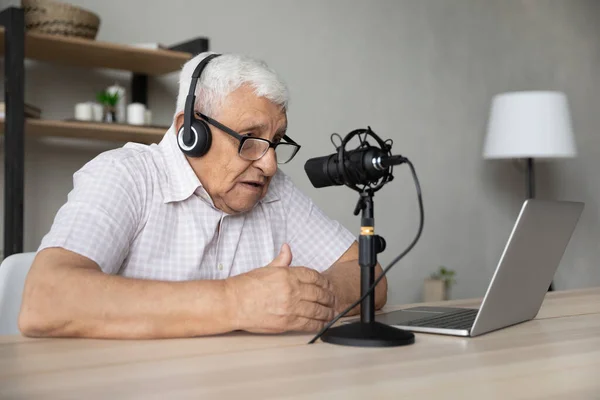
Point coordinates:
[[140, 211]]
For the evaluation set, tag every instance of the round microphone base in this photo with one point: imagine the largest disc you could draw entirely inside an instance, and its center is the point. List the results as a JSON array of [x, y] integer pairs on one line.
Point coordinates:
[[372, 334]]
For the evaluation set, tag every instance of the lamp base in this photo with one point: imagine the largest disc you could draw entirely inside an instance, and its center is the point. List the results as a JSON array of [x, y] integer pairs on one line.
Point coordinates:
[[371, 334]]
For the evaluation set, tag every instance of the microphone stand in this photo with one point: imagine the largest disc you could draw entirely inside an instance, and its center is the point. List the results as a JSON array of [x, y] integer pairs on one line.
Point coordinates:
[[367, 332]]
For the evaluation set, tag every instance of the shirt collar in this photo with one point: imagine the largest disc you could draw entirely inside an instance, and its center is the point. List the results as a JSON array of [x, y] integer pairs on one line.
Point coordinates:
[[182, 181]]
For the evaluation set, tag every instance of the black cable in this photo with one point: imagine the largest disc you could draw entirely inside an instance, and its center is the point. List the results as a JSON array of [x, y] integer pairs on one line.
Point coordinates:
[[394, 261]]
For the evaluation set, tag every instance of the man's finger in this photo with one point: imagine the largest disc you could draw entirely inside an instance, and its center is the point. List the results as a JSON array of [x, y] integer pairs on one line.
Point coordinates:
[[307, 275], [317, 294], [284, 258], [307, 309]]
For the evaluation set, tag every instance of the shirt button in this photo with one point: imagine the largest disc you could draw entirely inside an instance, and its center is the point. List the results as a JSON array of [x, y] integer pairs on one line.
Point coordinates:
[[220, 267]]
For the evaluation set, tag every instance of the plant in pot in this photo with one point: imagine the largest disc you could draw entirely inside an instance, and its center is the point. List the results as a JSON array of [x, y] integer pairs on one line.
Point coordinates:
[[109, 102], [437, 286]]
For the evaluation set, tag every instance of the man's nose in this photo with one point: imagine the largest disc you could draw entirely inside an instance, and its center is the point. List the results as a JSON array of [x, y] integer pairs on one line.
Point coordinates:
[[267, 163]]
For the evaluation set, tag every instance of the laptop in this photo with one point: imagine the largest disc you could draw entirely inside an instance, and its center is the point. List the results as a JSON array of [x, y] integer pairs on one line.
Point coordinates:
[[523, 275]]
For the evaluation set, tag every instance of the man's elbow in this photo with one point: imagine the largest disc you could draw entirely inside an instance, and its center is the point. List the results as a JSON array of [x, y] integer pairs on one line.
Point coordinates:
[[32, 324], [37, 317]]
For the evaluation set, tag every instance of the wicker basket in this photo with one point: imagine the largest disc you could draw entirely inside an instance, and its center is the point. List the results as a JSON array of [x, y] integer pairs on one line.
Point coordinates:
[[55, 18]]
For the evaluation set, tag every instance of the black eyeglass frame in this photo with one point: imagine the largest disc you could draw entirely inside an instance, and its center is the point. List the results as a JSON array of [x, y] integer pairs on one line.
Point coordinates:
[[243, 138]]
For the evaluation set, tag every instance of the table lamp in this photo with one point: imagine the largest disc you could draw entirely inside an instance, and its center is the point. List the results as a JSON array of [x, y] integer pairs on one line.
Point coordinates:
[[529, 125]]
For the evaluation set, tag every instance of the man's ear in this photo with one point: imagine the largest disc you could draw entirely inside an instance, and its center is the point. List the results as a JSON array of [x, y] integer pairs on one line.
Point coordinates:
[[178, 121]]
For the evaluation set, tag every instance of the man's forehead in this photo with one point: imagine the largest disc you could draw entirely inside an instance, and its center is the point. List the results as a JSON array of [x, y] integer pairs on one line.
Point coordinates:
[[262, 121]]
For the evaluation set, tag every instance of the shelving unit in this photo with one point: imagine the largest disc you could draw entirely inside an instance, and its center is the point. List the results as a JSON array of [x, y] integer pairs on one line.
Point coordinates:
[[92, 130], [96, 54], [15, 45]]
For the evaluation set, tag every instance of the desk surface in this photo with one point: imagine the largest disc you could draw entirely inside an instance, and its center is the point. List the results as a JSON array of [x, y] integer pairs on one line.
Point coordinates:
[[557, 355]]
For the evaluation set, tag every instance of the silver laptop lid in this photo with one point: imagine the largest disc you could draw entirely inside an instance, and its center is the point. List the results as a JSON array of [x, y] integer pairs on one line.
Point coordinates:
[[528, 263]]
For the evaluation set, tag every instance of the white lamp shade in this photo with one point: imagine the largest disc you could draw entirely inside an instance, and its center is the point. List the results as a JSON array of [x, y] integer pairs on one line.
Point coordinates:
[[529, 125]]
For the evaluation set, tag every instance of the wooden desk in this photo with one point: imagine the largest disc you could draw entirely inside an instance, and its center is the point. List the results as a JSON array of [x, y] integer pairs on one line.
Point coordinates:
[[557, 355]]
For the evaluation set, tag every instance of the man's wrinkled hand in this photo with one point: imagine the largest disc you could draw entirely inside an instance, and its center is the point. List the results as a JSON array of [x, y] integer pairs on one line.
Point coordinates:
[[278, 298]]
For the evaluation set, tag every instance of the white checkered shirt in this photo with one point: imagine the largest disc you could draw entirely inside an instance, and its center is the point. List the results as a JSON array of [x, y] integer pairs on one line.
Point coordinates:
[[140, 211]]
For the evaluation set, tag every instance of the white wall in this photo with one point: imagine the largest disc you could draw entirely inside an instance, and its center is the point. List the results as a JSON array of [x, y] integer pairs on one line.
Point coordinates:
[[419, 72]]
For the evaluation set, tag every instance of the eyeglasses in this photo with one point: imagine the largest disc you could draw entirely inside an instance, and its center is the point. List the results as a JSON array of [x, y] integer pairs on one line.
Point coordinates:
[[252, 148]]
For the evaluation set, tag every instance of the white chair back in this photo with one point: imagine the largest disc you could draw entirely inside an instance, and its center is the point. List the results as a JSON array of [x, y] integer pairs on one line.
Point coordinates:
[[13, 272]]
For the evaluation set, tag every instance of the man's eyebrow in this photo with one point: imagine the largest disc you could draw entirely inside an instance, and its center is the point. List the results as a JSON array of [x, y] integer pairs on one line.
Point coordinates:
[[252, 126], [260, 127]]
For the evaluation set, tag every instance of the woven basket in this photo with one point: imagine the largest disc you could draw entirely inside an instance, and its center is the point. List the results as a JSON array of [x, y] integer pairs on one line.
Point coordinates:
[[55, 18]]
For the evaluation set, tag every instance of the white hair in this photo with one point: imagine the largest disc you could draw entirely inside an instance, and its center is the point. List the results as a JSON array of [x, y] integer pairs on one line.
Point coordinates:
[[223, 75]]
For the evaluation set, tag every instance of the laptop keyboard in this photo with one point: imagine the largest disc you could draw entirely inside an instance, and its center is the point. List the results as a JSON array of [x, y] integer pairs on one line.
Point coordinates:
[[462, 319]]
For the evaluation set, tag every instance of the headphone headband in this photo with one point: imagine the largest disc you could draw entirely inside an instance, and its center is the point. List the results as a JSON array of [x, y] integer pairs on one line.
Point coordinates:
[[190, 100], [198, 72]]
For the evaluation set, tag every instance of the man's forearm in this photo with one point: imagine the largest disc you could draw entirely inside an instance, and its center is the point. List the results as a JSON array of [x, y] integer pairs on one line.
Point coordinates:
[[345, 277], [85, 302]]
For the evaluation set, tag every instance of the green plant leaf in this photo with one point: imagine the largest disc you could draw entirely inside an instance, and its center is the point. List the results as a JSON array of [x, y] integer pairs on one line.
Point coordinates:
[[107, 99]]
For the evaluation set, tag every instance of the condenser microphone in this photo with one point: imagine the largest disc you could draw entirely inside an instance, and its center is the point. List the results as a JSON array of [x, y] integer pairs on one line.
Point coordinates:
[[359, 167]]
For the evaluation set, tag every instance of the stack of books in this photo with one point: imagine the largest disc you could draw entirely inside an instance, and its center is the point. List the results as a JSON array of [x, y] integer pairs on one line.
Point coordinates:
[[30, 111]]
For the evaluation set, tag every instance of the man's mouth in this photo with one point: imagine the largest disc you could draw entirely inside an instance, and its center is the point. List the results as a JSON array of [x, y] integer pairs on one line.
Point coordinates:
[[254, 184]]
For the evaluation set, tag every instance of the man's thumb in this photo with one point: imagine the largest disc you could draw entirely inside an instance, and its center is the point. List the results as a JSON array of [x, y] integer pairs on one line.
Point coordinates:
[[284, 258]]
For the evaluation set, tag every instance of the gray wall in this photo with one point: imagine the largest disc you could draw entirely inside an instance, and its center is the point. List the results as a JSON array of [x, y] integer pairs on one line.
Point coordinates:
[[419, 72]]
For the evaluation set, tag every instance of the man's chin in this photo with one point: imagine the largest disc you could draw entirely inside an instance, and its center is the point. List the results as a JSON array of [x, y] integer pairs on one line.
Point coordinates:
[[243, 200], [239, 209], [238, 206]]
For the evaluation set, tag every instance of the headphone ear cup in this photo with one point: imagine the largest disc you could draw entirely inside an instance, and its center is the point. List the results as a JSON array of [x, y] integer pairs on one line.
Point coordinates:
[[200, 141]]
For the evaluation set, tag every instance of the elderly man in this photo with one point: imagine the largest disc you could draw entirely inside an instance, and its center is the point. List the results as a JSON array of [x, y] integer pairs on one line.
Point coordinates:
[[172, 240]]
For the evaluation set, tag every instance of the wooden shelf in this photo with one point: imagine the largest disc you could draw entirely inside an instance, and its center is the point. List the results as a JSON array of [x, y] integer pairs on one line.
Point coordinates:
[[96, 54], [92, 130]]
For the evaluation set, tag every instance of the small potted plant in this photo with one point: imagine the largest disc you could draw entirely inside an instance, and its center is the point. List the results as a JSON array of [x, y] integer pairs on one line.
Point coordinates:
[[437, 286], [109, 102]]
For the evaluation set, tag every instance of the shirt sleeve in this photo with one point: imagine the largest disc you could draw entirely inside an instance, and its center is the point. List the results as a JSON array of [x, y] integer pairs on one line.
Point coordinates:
[[316, 240], [101, 215]]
